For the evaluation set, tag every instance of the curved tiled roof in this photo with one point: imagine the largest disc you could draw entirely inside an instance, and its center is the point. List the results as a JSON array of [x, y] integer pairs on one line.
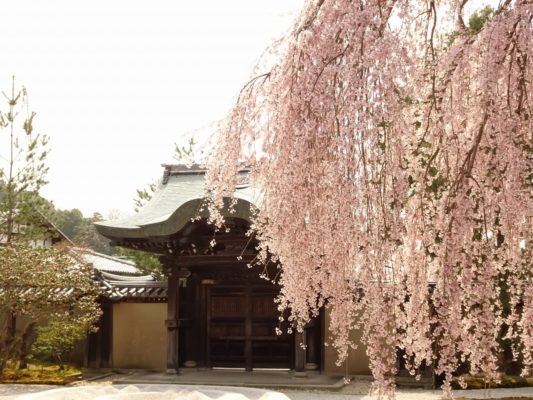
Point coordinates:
[[178, 198]]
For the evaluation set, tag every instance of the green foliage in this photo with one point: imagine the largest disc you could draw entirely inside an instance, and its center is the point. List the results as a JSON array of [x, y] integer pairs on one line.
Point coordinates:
[[450, 38], [476, 22], [42, 283], [57, 338], [479, 18], [144, 196], [147, 263]]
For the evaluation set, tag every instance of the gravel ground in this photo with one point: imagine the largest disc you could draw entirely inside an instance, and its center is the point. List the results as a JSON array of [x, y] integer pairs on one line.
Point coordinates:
[[353, 391], [526, 393], [358, 390], [10, 390]]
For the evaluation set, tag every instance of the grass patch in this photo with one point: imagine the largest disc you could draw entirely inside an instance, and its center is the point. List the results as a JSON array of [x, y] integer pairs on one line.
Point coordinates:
[[41, 373]]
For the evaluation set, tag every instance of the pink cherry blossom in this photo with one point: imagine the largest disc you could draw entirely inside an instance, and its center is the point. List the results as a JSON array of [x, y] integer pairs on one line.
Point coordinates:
[[396, 175]]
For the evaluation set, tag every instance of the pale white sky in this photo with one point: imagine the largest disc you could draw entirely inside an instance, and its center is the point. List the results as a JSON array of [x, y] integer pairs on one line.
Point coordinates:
[[116, 83]]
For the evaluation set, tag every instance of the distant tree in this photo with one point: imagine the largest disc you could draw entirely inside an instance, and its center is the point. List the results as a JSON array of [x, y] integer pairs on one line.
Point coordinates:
[[87, 236], [69, 221], [80, 230]]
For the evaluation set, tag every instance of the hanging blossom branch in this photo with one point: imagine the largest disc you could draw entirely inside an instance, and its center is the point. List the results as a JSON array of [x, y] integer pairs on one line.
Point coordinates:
[[390, 163]]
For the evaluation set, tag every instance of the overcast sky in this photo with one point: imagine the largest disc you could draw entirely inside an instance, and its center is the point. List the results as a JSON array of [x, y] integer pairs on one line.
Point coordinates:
[[116, 83]]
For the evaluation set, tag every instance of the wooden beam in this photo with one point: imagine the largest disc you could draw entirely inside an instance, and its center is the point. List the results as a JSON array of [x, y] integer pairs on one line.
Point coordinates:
[[212, 260]]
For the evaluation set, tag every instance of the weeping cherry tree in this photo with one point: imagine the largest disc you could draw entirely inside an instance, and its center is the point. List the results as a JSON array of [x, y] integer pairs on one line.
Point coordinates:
[[396, 167]]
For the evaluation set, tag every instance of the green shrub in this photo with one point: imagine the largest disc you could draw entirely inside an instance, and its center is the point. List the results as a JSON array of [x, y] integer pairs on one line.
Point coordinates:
[[56, 339]]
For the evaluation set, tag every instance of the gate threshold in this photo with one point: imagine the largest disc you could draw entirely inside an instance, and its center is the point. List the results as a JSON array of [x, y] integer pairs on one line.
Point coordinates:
[[238, 369], [237, 377]]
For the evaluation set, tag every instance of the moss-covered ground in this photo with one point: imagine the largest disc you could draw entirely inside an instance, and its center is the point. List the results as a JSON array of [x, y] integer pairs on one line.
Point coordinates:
[[507, 381], [41, 373]]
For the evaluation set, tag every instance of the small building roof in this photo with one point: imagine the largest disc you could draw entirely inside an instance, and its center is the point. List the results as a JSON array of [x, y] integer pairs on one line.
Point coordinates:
[[178, 198], [105, 263], [119, 279]]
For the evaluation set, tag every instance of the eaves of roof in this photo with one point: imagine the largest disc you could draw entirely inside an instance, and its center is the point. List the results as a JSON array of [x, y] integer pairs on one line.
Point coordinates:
[[178, 199]]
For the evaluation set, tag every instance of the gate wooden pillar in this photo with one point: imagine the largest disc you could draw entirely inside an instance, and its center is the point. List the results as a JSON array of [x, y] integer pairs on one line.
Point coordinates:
[[172, 321], [312, 361], [299, 354]]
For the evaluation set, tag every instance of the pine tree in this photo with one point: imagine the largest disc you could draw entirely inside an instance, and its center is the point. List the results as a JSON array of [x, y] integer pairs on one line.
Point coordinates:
[[22, 171]]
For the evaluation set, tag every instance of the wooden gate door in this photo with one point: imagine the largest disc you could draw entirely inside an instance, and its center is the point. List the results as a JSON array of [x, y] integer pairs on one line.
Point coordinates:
[[241, 323]]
